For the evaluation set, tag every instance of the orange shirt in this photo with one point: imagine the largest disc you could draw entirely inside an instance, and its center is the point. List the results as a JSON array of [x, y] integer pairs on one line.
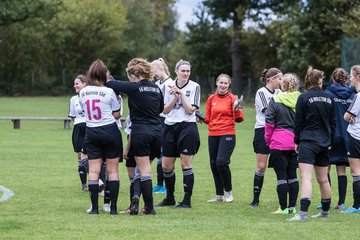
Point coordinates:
[[220, 115]]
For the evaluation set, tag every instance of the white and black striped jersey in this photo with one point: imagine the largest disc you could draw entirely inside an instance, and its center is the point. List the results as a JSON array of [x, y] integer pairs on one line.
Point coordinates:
[[162, 85], [354, 109], [178, 114], [262, 99], [98, 103], [75, 110]]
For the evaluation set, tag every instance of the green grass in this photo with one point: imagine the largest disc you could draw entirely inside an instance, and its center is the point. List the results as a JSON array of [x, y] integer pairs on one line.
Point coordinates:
[[38, 164]]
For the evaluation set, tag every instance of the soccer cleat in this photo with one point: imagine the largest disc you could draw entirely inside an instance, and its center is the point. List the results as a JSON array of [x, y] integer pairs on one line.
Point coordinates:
[[113, 209], [90, 210], [145, 211], [126, 211], [166, 202], [217, 198], [106, 207], [229, 197], [322, 214], [351, 210], [292, 210], [183, 205], [340, 207], [280, 211], [319, 206], [254, 204], [297, 218], [134, 210], [156, 189], [162, 190]]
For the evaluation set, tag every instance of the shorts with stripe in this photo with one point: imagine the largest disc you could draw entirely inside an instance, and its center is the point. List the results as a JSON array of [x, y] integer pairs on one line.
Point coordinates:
[[313, 154], [104, 142], [259, 144], [181, 138], [78, 137], [354, 148]]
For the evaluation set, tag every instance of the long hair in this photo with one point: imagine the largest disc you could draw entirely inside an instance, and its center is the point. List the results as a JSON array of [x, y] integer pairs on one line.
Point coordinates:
[[312, 78], [268, 74], [97, 71], [140, 68]]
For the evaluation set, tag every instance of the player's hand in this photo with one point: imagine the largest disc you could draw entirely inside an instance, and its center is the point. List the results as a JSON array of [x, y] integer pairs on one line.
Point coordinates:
[[237, 103]]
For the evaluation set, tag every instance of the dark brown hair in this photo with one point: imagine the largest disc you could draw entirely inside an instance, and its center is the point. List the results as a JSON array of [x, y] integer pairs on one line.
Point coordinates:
[[97, 71], [339, 75], [268, 74], [82, 78], [312, 78]]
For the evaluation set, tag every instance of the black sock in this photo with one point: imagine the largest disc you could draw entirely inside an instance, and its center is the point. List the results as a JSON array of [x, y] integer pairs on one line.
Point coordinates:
[[160, 174], [170, 184], [293, 191], [258, 183], [82, 172], [329, 179], [114, 186], [137, 187], [131, 189], [107, 193], [325, 204], [188, 180], [304, 204], [146, 190], [282, 190], [342, 187], [356, 191], [94, 193]]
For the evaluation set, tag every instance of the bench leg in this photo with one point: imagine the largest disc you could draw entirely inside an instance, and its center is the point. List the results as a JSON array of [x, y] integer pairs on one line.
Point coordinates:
[[67, 124], [16, 123]]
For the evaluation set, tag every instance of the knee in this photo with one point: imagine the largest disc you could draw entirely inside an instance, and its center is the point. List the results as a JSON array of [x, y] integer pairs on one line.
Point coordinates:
[[167, 168], [323, 180], [222, 165]]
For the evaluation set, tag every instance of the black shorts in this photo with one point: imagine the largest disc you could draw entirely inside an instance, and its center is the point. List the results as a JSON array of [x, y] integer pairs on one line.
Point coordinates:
[[354, 147], [104, 142], [283, 159], [146, 140], [259, 144], [78, 137], [313, 154], [221, 148], [181, 138], [130, 161]]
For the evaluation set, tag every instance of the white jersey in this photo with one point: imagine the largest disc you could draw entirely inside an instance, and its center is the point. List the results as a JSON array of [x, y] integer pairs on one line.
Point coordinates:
[[262, 99], [120, 101], [75, 110], [98, 103], [163, 85], [128, 125], [354, 109], [178, 114]]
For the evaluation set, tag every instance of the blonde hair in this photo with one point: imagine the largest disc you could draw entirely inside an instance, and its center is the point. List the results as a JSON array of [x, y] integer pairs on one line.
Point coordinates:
[[355, 71], [161, 63], [181, 62], [140, 68], [290, 82]]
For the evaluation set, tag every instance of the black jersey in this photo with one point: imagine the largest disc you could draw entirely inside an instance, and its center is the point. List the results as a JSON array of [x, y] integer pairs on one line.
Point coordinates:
[[315, 118], [145, 100]]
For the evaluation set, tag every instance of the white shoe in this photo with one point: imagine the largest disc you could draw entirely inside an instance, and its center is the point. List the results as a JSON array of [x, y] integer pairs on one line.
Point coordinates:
[[229, 197], [89, 209], [297, 218], [106, 207], [217, 198]]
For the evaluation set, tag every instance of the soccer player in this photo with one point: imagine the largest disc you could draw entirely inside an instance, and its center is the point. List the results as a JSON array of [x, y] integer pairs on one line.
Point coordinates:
[[181, 135], [315, 120], [162, 75], [78, 135], [222, 111], [271, 79], [279, 136], [352, 116], [145, 104], [103, 138]]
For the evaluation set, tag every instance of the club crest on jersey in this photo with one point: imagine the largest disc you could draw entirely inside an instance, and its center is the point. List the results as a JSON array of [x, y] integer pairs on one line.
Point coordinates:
[[188, 93]]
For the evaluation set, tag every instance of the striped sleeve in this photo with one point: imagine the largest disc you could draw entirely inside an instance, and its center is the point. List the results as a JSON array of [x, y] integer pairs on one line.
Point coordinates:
[[260, 101], [354, 107], [196, 102]]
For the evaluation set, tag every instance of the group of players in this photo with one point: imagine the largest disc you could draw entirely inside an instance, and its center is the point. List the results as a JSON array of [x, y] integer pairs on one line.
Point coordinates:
[[297, 130]]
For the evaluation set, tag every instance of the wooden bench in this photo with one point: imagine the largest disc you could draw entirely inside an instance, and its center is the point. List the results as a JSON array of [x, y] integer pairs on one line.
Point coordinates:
[[16, 120]]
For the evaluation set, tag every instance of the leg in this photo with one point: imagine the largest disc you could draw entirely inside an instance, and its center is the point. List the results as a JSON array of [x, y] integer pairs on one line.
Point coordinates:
[[213, 143], [143, 163], [293, 187], [325, 190], [94, 170], [281, 187], [261, 162], [188, 180], [169, 176], [355, 172], [112, 169], [342, 185]]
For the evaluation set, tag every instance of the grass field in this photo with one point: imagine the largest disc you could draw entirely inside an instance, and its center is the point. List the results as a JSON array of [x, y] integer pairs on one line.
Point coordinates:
[[38, 164]]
